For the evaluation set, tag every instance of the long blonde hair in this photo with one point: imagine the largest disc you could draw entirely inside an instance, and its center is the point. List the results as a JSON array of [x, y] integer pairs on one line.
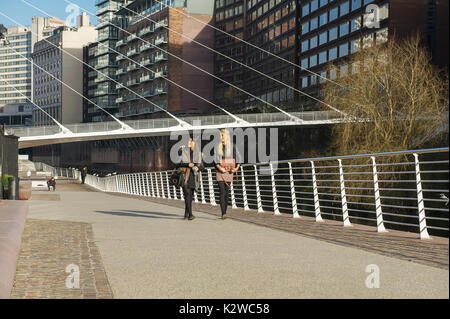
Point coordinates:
[[227, 137]]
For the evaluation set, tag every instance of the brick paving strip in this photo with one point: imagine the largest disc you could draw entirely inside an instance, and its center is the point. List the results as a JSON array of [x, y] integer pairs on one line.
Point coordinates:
[[48, 247], [395, 244]]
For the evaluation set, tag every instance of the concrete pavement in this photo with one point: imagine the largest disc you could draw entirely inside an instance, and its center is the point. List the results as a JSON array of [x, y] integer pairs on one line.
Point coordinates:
[[149, 251]]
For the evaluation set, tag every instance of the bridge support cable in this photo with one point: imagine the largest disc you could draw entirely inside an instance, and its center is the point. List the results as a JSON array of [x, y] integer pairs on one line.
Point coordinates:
[[292, 117], [124, 126], [237, 119], [64, 130], [234, 60], [249, 44]]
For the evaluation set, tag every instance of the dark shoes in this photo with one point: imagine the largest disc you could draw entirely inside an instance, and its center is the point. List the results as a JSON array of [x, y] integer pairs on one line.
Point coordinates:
[[224, 216], [192, 217]]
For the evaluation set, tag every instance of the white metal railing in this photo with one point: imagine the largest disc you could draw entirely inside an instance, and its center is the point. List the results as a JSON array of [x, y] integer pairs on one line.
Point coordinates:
[[405, 190]]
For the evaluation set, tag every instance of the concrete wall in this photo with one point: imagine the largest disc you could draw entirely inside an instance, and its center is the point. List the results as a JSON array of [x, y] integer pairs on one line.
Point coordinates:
[[8, 156]]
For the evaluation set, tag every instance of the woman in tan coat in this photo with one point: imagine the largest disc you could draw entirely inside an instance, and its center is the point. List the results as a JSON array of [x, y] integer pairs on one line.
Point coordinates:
[[226, 167]]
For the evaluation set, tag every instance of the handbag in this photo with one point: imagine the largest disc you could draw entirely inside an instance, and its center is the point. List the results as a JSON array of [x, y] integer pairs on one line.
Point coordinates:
[[229, 164], [177, 178]]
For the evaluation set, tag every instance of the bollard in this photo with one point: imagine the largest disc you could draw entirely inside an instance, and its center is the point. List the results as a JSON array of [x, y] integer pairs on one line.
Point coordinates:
[[13, 188]]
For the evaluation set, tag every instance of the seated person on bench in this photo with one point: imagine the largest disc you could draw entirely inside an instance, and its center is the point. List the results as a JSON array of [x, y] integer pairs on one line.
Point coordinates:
[[51, 183]]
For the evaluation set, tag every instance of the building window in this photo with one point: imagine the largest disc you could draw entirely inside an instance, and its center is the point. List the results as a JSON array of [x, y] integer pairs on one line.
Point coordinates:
[[344, 8], [333, 14], [304, 82], [305, 10], [343, 49], [333, 34], [323, 3], [304, 63], [323, 38], [313, 25], [313, 42], [344, 70], [355, 24], [356, 4], [305, 27], [305, 46], [312, 60], [314, 5], [332, 53], [343, 29], [324, 19], [322, 57]]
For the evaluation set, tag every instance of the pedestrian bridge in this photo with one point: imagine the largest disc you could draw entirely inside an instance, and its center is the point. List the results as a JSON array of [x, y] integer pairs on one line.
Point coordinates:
[[47, 135], [303, 229]]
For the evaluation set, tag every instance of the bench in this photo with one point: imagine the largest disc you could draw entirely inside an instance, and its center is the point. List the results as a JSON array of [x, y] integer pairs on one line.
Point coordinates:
[[13, 215]]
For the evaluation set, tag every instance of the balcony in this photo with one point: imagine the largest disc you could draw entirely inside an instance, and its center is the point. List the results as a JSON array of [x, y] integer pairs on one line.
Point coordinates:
[[160, 57], [145, 47], [120, 57], [120, 43], [146, 78], [119, 99], [149, 93], [132, 52], [133, 82], [160, 24], [147, 62], [132, 68], [121, 71], [145, 31], [160, 74], [132, 38], [110, 7], [160, 41], [159, 91]]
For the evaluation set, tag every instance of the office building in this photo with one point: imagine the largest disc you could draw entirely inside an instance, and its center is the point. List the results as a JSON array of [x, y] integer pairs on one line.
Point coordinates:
[[17, 70], [156, 54], [49, 93], [311, 33]]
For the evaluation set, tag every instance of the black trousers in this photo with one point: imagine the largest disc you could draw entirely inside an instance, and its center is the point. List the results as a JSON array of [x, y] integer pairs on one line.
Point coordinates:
[[83, 178], [224, 197], [188, 198]]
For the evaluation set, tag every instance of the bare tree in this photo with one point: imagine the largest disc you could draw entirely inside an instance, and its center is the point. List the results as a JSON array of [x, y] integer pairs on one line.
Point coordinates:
[[394, 98]]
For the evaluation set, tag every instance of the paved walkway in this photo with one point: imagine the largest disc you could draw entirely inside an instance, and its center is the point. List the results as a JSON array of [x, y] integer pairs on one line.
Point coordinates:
[[148, 251]]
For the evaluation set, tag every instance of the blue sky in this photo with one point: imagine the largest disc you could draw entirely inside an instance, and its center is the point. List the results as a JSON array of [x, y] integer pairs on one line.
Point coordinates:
[[22, 12]]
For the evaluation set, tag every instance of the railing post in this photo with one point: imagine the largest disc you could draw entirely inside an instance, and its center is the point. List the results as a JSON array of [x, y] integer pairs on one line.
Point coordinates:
[[168, 186], [343, 196], [244, 190], [274, 191], [147, 187], [152, 189], [233, 196], [181, 193], [135, 184], [420, 203], [139, 183], [212, 197], [202, 188], [175, 196], [162, 185], [117, 183], [258, 191], [293, 195], [156, 185], [316, 194], [378, 208], [127, 180]]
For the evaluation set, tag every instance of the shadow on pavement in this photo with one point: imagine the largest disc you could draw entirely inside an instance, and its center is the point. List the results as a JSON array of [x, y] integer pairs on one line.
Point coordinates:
[[145, 214]]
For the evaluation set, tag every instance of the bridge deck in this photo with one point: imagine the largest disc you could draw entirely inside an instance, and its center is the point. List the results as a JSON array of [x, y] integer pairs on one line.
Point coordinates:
[[130, 248]]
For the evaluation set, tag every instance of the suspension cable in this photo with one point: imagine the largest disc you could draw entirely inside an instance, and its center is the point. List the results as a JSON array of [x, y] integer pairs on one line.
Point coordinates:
[[198, 68], [252, 45], [64, 129], [180, 122], [234, 60], [237, 119]]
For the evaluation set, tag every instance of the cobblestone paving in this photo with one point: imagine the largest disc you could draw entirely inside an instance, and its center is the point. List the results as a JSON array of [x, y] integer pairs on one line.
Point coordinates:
[[48, 247], [396, 244]]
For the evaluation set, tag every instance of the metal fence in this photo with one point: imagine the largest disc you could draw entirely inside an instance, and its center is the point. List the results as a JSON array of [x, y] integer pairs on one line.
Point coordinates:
[[405, 190]]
